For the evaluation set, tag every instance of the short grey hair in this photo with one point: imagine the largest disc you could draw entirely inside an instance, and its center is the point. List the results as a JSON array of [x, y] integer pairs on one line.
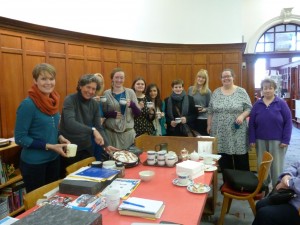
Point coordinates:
[[268, 81], [87, 79]]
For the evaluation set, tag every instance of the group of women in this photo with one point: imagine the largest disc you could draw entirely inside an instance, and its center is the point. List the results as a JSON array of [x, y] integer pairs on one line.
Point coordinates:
[[112, 122]]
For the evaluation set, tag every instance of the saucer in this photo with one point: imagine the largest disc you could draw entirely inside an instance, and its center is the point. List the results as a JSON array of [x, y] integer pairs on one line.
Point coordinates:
[[210, 168], [201, 190], [176, 182], [210, 163]]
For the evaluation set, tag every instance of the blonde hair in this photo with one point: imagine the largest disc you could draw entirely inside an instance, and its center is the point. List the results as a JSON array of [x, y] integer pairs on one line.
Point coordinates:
[[204, 89], [100, 77]]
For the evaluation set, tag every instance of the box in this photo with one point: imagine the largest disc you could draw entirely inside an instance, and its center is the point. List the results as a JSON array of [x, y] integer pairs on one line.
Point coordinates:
[[57, 215], [79, 187], [194, 169]]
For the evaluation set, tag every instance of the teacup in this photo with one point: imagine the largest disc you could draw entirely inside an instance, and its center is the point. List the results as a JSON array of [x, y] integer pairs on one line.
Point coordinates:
[[103, 98], [170, 160], [208, 160], [151, 154], [71, 150], [97, 164], [161, 162], [161, 154], [123, 101], [158, 115], [149, 104], [178, 120], [151, 161], [183, 178]]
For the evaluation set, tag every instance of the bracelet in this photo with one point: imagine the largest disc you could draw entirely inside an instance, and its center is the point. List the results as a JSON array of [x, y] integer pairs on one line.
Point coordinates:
[[46, 148]]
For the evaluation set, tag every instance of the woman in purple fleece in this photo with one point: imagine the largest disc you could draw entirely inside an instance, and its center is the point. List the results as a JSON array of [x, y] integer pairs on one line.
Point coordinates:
[[270, 127]]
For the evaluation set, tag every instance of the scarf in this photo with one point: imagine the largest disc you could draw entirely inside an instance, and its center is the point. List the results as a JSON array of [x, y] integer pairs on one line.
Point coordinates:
[[177, 99], [48, 105]]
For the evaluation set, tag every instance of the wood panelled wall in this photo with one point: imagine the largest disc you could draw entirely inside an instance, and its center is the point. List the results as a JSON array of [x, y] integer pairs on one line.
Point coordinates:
[[73, 54]]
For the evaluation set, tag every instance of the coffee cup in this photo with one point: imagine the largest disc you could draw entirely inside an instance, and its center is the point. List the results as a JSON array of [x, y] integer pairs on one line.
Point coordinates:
[[109, 164], [97, 164], [183, 178], [161, 154], [178, 120], [103, 98], [123, 101], [149, 104], [71, 150], [112, 199], [208, 160], [151, 154]]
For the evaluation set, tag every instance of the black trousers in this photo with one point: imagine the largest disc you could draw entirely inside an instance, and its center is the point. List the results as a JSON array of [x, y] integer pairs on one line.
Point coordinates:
[[37, 175], [283, 214]]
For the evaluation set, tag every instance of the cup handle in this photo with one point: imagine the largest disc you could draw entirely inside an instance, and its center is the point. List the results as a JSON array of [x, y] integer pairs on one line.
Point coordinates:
[[156, 148]]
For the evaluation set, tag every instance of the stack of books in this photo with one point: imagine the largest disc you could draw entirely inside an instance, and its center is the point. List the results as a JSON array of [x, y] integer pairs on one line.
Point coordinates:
[[141, 207]]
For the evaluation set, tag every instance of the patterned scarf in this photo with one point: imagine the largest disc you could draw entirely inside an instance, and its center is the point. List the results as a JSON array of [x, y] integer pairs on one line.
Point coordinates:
[[48, 105]]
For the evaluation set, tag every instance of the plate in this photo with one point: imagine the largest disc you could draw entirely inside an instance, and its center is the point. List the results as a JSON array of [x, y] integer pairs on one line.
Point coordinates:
[[176, 182], [125, 156], [198, 188], [210, 168], [210, 163]]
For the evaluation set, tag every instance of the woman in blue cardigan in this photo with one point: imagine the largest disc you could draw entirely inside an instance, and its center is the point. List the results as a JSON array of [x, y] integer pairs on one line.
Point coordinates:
[[36, 130]]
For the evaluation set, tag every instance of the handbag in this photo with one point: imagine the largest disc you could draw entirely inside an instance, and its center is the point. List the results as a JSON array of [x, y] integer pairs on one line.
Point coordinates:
[[240, 180], [281, 196], [186, 131]]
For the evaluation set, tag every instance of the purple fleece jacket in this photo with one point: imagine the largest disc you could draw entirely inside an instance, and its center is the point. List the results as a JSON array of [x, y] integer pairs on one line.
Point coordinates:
[[270, 123]]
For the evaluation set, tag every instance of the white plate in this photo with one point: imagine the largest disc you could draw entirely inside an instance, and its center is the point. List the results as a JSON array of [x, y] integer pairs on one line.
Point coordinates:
[[203, 189], [210, 168], [176, 182], [210, 163]]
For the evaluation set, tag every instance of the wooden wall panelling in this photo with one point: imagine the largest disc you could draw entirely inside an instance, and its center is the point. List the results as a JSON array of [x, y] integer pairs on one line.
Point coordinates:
[[76, 69], [155, 75], [168, 75], [107, 68], [140, 70], [184, 72], [236, 68], [214, 71], [128, 69], [11, 94]]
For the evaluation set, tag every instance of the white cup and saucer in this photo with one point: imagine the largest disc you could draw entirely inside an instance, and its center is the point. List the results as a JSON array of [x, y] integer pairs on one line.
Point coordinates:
[[150, 105], [123, 101], [178, 120], [103, 99], [182, 179]]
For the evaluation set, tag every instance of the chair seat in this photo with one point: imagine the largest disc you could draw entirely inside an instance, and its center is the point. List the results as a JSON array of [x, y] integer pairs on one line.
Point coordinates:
[[227, 189]]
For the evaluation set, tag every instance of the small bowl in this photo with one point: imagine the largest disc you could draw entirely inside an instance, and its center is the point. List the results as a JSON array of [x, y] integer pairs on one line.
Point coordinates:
[[109, 164], [146, 175]]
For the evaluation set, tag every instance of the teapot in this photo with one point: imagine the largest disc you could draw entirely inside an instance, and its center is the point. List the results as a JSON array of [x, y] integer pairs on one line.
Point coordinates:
[[184, 154], [194, 156]]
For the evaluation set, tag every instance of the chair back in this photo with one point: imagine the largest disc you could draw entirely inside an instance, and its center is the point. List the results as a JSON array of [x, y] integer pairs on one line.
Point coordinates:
[[31, 198], [263, 171], [76, 166]]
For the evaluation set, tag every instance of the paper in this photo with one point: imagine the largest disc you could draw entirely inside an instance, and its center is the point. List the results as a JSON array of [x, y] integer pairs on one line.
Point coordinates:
[[205, 147], [150, 206], [126, 186]]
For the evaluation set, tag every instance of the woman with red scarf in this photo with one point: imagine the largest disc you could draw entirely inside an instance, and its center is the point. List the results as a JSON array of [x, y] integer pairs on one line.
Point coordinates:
[[36, 130]]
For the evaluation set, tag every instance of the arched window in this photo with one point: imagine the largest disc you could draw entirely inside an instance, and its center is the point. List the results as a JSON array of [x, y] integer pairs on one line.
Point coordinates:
[[280, 38]]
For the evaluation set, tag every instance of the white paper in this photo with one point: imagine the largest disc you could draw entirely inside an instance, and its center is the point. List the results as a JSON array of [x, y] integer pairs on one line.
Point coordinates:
[[205, 147]]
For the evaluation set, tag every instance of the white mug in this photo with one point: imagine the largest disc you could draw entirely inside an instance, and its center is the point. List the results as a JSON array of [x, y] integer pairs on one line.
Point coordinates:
[[170, 160], [71, 150], [151, 154], [123, 101], [161, 162], [112, 199], [151, 161], [103, 98]]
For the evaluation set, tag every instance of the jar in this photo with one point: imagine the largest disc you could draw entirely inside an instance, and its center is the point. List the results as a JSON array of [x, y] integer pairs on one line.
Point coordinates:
[[120, 166]]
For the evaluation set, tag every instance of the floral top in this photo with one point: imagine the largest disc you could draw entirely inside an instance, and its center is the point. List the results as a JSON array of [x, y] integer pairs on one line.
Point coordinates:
[[224, 110]]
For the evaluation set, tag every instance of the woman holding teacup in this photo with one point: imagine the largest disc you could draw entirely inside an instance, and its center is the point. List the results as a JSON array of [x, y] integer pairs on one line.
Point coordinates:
[[119, 110], [201, 94], [143, 123], [180, 109], [159, 123], [36, 130]]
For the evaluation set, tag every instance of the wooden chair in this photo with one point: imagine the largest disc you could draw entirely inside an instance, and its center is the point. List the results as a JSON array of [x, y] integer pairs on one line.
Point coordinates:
[[31, 198], [230, 194], [75, 166], [175, 143]]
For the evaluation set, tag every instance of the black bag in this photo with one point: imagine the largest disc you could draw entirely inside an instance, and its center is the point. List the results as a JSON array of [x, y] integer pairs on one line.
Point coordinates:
[[281, 196], [240, 180], [186, 131]]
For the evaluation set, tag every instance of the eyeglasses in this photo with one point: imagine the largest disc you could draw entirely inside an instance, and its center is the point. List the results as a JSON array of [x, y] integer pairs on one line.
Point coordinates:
[[226, 77]]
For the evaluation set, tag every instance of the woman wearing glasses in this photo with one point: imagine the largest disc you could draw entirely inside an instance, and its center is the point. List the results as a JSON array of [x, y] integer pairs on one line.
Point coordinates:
[[227, 112]]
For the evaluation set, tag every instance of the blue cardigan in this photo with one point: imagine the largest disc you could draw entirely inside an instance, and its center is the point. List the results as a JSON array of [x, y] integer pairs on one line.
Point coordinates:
[[33, 126]]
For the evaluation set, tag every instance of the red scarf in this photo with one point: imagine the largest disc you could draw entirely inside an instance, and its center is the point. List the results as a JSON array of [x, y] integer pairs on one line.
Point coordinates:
[[48, 105]]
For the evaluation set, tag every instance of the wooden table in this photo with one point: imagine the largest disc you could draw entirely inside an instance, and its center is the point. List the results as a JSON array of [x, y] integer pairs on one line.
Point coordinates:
[[181, 206]]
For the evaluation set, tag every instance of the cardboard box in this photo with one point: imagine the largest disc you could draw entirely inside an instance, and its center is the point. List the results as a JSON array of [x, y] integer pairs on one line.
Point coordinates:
[[194, 169], [57, 215]]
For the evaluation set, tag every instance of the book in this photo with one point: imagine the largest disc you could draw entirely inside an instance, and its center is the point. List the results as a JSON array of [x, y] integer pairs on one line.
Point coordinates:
[[157, 215], [88, 203], [126, 186], [8, 220], [141, 205]]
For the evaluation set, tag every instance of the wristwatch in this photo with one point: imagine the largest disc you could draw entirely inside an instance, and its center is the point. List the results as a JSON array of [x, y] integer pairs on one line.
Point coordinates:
[[93, 128]]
